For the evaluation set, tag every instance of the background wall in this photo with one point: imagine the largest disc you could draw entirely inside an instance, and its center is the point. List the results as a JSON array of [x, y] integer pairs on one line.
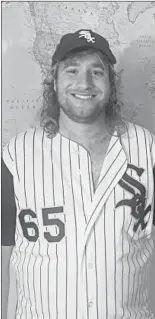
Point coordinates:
[[30, 32]]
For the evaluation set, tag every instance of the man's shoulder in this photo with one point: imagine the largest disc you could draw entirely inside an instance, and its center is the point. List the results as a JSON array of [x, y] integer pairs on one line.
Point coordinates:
[[28, 134], [136, 131], [17, 144]]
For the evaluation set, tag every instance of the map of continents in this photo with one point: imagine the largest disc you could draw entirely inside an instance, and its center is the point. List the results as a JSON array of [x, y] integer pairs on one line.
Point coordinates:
[[30, 32]]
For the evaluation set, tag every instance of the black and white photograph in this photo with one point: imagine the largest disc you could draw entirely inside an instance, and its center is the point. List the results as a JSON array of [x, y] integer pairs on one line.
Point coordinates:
[[78, 160]]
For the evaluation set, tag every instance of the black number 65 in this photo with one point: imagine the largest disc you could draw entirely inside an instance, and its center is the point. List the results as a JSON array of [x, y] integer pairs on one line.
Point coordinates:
[[47, 221]]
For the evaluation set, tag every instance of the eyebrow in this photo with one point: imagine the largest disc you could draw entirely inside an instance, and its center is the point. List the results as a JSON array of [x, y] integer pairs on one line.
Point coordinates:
[[72, 62], [98, 65]]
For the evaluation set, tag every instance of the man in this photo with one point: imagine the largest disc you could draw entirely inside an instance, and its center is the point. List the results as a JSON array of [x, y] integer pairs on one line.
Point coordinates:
[[83, 189]]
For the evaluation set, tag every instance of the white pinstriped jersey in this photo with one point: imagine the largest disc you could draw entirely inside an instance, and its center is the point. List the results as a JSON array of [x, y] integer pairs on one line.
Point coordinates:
[[80, 253]]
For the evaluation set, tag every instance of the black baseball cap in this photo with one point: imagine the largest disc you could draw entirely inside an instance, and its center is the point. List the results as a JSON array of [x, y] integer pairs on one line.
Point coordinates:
[[82, 39]]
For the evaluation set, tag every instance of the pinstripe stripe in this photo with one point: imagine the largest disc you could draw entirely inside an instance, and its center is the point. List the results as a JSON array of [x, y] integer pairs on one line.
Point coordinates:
[[148, 186], [128, 257], [151, 143], [91, 188], [132, 255], [134, 274], [28, 284], [44, 204], [145, 299], [66, 271], [94, 233], [16, 158], [52, 172], [33, 169], [115, 254], [20, 262], [41, 297], [66, 259], [40, 246], [127, 232], [86, 282], [24, 170], [40, 279], [145, 267], [56, 246], [35, 298], [85, 253], [38, 242], [9, 152], [123, 252], [62, 169], [136, 268], [24, 288], [20, 275], [138, 284], [26, 206], [43, 170], [48, 282], [53, 197], [137, 144], [15, 255], [142, 287], [57, 258], [13, 258], [77, 275], [140, 265], [96, 274], [105, 248], [81, 185], [112, 146]]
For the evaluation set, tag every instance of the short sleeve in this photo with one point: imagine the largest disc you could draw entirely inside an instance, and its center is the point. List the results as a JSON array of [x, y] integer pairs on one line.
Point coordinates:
[[8, 207]]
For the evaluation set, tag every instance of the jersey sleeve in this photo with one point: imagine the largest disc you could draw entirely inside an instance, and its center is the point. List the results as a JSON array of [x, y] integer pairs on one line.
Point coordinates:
[[8, 205]]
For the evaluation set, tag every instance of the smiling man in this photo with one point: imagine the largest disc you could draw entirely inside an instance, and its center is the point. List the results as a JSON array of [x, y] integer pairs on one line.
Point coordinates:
[[81, 188]]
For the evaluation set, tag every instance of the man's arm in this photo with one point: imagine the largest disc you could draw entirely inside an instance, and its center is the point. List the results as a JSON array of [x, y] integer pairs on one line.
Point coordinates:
[[6, 254], [8, 222], [154, 199]]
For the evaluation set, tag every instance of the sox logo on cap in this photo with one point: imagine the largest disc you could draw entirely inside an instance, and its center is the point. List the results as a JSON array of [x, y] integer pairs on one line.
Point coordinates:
[[87, 36]]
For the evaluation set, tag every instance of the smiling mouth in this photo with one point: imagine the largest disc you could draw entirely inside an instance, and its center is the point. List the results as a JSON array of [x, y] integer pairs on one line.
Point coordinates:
[[84, 97]]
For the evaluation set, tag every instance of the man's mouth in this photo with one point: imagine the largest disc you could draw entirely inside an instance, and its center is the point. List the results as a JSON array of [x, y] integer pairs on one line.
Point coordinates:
[[84, 96]]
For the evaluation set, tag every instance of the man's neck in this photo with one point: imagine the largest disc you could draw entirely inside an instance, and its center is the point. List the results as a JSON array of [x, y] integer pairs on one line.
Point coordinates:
[[87, 134]]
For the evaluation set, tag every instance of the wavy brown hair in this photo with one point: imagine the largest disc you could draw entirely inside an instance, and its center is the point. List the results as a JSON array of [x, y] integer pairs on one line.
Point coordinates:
[[49, 116]]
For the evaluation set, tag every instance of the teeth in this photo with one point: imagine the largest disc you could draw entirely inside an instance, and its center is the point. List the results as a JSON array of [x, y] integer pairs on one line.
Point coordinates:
[[84, 97]]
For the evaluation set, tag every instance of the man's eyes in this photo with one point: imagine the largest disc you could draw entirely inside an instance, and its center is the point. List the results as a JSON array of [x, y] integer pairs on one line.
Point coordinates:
[[75, 71], [98, 72], [72, 71]]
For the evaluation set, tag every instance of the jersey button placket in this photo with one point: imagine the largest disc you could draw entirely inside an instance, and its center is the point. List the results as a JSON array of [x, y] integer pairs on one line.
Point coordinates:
[[90, 304]]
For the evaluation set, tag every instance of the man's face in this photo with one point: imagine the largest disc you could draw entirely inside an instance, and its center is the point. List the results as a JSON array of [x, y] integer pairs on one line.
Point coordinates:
[[83, 87]]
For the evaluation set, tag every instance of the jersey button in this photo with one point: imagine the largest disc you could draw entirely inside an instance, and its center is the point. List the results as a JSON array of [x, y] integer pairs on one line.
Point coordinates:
[[90, 303]]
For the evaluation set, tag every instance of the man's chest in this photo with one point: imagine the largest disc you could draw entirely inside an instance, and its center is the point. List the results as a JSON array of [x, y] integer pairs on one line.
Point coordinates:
[[96, 167]]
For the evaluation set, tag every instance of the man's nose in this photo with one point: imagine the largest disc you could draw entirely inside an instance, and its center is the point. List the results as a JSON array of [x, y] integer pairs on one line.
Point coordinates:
[[85, 80]]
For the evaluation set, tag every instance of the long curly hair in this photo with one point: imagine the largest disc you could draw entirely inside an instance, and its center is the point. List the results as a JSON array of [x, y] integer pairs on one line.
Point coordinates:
[[49, 115]]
